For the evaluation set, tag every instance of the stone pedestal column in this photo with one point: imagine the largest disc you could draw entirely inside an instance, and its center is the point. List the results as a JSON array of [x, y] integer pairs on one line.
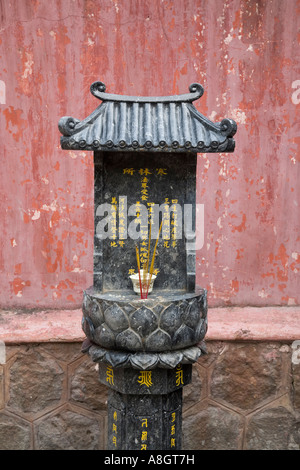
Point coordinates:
[[145, 350], [144, 407]]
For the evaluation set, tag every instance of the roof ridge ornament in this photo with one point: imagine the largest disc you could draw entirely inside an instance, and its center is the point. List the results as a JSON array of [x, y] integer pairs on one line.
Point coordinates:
[[98, 89]]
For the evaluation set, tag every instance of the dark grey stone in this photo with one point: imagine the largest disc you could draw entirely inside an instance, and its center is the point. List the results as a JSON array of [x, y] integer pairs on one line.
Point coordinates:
[[158, 381], [144, 360], [129, 340], [143, 321], [144, 422], [144, 407], [170, 319], [114, 257], [104, 336], [147, 124], [92, 309], [115, 318], [158, 341], [160, 323]]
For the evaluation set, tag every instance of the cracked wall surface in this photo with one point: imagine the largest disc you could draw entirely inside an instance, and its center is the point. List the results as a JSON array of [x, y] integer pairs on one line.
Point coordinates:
[[246, 55]]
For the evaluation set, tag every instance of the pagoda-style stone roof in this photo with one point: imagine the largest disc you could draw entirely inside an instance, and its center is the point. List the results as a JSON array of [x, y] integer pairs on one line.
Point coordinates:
[[143, 123]]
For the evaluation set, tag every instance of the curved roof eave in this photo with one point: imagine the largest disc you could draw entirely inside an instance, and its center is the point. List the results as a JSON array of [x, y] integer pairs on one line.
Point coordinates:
[[169, 123]]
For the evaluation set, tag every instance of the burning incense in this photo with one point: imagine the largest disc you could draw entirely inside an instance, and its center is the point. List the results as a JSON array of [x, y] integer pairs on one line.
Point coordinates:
[[139, 269], [144, 277], [145, 280], [148, 257], [153, 258]]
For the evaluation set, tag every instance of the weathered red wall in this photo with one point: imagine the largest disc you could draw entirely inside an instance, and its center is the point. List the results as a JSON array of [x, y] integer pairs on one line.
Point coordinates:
[[246, 55]]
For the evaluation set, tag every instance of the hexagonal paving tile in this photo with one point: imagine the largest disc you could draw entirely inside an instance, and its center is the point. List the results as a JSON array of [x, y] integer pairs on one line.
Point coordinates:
[[36, 383], [68, 430], [273, 428], [15, 433], [246, 376], [211, 427], [85, 388]]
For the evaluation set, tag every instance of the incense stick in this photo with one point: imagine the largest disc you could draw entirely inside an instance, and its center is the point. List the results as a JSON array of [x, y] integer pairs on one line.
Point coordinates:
[[146, 267], [153, 258], [144, 277], [148, 255], [139, 269]]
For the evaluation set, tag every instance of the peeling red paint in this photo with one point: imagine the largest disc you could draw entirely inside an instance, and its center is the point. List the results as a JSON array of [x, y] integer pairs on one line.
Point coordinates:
[[18, 285], [18, 268], [242, 226], [246, 55], [235, 285], [14, 122]]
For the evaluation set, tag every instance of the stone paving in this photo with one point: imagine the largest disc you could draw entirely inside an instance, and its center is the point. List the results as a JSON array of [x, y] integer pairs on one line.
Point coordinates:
[[244, 395]]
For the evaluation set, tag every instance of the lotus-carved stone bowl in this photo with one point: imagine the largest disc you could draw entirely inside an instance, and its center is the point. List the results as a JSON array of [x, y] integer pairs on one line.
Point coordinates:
[[166, 321]]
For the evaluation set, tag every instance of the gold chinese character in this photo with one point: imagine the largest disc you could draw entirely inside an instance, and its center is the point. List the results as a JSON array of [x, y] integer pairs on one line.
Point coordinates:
[[173, 430], [131, 272], [115, 416], [114, 201], [172, 442], [110, 375], [144, 171], [144, 447], [144, 435], [145, 378], [179, 375], [128, 171], [144, 422], [114, 428], [114, 440], [161, 171], [173, 416]]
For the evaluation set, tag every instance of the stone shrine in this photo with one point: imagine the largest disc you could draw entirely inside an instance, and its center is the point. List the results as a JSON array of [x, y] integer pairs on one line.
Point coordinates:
[[145, 341]]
